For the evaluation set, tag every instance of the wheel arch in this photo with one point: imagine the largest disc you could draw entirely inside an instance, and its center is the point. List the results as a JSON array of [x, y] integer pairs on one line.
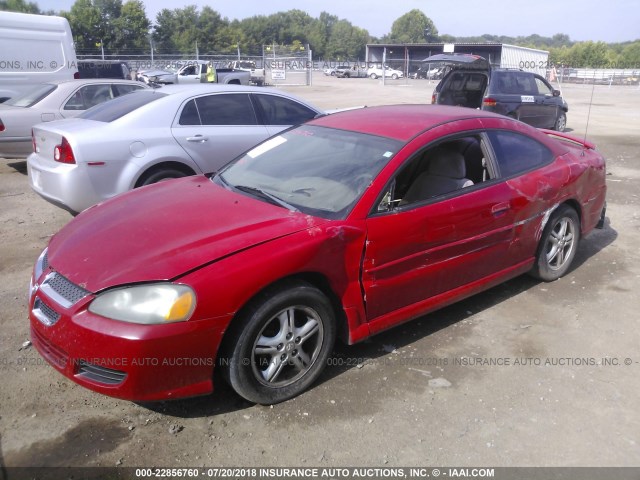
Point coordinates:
[[314, 279], [163, 164], [573, 203]]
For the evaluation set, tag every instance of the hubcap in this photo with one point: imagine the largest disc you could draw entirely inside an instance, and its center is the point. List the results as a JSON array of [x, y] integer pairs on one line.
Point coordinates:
[[287, 346], [560, 243]]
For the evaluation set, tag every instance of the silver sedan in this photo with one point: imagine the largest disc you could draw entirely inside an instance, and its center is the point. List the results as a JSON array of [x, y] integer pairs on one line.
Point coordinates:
[[52, 101], [154, 135]]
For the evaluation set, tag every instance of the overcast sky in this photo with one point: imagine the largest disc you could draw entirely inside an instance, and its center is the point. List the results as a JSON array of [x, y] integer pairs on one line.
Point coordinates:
[[612, 21]]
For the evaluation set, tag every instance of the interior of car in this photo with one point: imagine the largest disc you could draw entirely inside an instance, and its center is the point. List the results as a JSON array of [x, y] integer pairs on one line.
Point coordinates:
[[442, 169]]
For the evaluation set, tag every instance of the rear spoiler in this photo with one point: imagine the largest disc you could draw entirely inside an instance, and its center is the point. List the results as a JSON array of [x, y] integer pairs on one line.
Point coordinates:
[[569, 138]]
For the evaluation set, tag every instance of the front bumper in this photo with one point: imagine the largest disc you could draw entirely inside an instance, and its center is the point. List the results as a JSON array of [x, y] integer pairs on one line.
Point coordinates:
[[124, 360]]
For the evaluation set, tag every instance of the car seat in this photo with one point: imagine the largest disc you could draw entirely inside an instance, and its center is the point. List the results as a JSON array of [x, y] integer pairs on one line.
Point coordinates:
[[445, 173]]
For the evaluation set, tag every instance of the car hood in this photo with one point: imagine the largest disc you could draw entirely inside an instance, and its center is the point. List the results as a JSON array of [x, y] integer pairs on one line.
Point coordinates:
[[458, 60], [163, 231]]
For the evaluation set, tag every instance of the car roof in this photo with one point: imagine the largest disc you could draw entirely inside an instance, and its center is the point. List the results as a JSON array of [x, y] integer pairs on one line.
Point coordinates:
[[400, 122], [88, 81], [188, 90]]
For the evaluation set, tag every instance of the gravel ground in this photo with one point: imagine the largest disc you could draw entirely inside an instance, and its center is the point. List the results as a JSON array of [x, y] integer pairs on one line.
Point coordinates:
[[565, 398]]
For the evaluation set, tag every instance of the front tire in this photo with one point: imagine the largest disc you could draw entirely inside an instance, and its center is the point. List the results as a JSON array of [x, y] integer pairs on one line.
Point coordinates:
[[160, 175], [280, 344], [394, 76], [558, 245], [561, 122]]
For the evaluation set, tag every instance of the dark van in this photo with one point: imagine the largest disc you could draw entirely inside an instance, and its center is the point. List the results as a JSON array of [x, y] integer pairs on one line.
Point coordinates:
[[472, 82]]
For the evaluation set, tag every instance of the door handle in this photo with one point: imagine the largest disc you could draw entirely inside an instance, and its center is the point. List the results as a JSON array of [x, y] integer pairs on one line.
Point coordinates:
[[197, 139], [499, 208]]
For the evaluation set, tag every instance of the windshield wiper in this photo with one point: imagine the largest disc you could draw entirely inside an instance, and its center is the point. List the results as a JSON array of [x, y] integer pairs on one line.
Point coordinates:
[[267, 196]]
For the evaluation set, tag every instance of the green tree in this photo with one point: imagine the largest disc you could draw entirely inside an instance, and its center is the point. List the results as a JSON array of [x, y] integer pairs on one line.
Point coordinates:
[[86, 25], [346, 41], [132, 28], [630, 56], [19, 6], [413, 27], [320, 32], [163, 31]]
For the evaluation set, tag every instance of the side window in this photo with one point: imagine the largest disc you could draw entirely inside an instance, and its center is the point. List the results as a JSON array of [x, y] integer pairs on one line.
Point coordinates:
[[76, 102], [439, 170], [226, 109], [88, 96], [543, 88], [526, 84], [283, 111], [190, 70], [190, 115], [119, 89], [517, 153]]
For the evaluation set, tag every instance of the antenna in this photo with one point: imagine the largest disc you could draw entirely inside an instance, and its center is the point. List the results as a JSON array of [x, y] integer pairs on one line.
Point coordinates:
[[593, 87]]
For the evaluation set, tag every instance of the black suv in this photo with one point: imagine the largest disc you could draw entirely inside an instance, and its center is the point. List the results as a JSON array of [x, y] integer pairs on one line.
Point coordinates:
[[526, 96], [104, 69]]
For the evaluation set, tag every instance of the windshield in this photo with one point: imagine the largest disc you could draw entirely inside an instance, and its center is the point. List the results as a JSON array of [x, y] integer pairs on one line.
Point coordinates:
[[31, 97], [118, 107], [316, 170]]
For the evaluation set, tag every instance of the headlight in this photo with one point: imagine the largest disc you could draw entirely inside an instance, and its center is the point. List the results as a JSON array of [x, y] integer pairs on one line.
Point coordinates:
[[146, 304], [40, 265]]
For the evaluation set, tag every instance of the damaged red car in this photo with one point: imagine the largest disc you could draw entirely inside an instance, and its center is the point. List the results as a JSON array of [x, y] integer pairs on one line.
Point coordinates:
[[339, 228]]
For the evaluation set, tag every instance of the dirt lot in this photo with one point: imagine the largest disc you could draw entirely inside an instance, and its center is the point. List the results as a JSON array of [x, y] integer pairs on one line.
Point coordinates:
[[400, 398]]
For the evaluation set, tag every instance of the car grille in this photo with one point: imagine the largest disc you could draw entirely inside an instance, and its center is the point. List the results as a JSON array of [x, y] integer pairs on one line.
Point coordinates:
[[100, 374], [45, 313], [53, 354], [61, 290]]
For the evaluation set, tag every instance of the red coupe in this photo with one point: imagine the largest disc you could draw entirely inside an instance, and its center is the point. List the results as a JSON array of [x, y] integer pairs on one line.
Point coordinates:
[[341, 227]]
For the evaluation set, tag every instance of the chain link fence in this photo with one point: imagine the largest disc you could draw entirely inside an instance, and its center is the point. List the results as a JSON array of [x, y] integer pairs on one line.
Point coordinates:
[[282, 64]]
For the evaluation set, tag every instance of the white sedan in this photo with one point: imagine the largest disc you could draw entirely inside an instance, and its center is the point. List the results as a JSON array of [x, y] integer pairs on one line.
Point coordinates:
[[154, 135], [52, 101]]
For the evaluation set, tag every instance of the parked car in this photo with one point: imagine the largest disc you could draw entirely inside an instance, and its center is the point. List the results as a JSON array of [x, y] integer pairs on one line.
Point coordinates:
[[525, 96], [376, 72], [153, 135], [51, 101], [353, 71], [104, 69], [342, 227]]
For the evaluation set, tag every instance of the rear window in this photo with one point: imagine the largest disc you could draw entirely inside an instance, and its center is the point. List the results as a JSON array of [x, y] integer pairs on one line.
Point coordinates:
[[119, 107], [33, 96]]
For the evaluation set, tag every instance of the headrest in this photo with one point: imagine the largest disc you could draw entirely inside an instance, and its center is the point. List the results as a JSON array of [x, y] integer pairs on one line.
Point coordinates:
[[446, 162]]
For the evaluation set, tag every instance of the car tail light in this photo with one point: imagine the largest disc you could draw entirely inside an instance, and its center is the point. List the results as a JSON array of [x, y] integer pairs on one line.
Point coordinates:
[[76, 76], [1, 126], [489, 102], [62, 153], [434, 98]]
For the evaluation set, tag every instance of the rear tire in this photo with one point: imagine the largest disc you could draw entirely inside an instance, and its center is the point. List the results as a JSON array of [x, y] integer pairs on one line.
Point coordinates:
[[558, 245], [280, 343], [373, 76]]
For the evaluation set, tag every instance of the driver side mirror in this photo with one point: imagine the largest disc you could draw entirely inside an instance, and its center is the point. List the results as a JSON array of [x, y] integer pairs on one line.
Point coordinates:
[[556, 93]]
